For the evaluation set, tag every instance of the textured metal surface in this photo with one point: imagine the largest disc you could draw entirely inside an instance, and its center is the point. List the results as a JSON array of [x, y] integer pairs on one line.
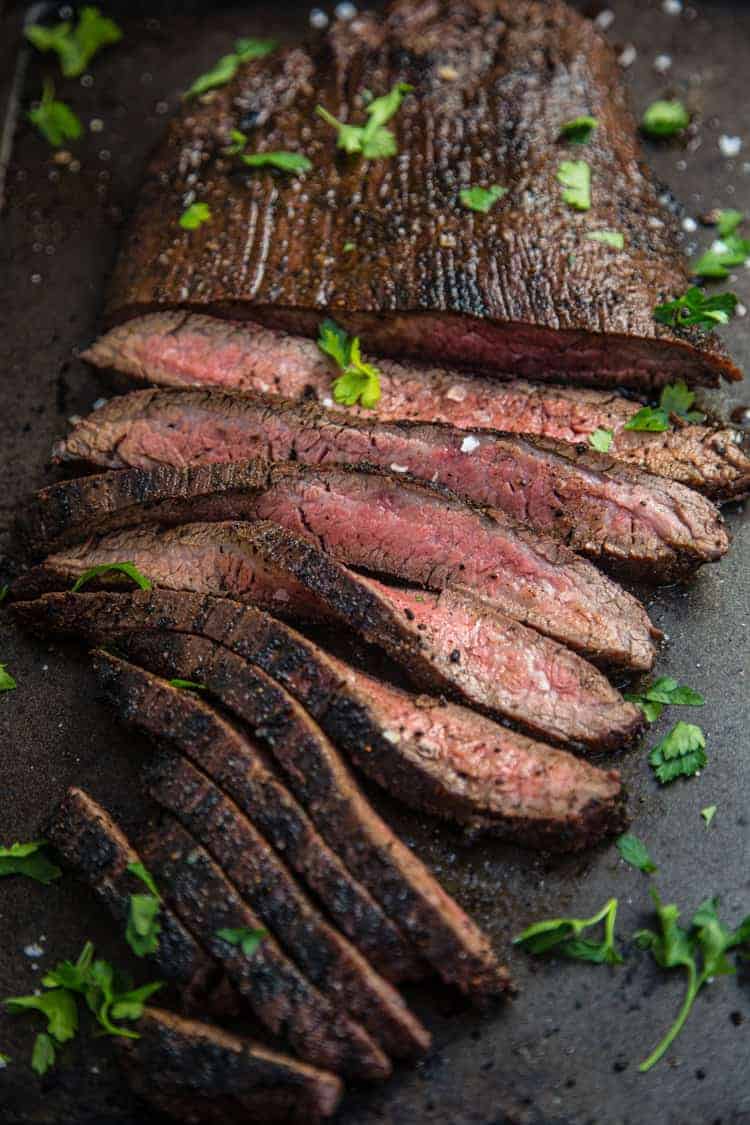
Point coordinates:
[[565, 1052]]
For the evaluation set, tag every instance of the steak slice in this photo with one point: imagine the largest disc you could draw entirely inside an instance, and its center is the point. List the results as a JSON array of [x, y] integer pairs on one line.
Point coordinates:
[[378, 521], [177, 349], [435, 924], [445, 642], [100, 854], [280, 995], [268, 887], [519, 289], [644, 525], [435, 755], [196, 1072]]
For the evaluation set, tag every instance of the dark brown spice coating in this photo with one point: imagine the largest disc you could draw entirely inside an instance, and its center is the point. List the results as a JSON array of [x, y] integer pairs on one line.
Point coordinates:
[[268, 887], [199, 1073], [519, 289], [283, 999]]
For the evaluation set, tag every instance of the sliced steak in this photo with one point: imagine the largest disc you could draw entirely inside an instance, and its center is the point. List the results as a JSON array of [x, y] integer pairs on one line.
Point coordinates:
[[282, 998], [176, 349], [519, 289], [428, 753], [100, 854], [436, 925], [642, 524], [199, 1073], [328, 960], [378, 521], [445, 642]]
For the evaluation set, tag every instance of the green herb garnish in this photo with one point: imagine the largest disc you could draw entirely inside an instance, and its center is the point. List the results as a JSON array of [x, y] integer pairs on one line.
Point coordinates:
[[563, 936], [284, 161], [246, 939], [613, 238], [579, 130], [708, 814], [195, 216], [481, 199], [681, 753], [239, 140], [575, 177], [143, 925], [635, 852], [665, 118], [55, 120], [676, 398], [7, 683], [75, 46], [601, 440], [127, 568], [358, 381], [29, 860], [4, 591], [372, 140], [729, 251], [664, 692], [187, 685], [727, 222], [43, 1053], [701, 951], [228, 65], [696, 308]]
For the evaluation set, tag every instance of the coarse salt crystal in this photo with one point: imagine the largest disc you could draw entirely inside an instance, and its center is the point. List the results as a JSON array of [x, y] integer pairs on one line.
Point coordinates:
[[100, 402], [391, 736], [729, 146], [469, 444], [662, 63], [672, 7], [456, 394], [448, 73], [318, 19], [328, 402], [33, 950], [689, 225], [628, 55], [605, 19], [345, 11], [400, 468], [280, 596]]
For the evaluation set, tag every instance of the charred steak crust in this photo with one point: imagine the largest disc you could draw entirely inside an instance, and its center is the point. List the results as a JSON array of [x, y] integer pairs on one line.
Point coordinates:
[[282, 997], [268, 887], [639, 524], [436, 755], [517, 290], [437, 926], [190, 350], [448, 642], [187, 1067], [377, 520]]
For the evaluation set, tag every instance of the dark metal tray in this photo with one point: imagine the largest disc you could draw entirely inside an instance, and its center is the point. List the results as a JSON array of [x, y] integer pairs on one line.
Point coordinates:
[[566, 1049]]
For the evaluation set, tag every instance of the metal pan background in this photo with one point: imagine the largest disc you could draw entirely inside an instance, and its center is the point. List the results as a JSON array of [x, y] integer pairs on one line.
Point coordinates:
[[566, 1050]]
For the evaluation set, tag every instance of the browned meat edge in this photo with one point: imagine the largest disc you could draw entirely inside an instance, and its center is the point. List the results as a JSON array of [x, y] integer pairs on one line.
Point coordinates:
[[267, 886], [374, 520], [442, 932], [639, 524], [195, 1071], [519, 289], [282, 997]]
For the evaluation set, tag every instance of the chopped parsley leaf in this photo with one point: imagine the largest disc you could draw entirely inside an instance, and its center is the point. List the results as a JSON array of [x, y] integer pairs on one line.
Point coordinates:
[[4, 591], [195, 216], [7, 683], [29, 860], [143, 925], [727, 222], [696, 308], [187, 685], [708, 814], [481, 199], [635, 852], [127, 568], [726, 252], [358, 381], [228, 65], [681, 753], [601, 439], [246, 939], [664, 692], [75, 46], [563, 936], [55, 120], [613, 238], [579, 130], [575, 178], [372, 140], [284, 161], [665, 118], [43, 1053]]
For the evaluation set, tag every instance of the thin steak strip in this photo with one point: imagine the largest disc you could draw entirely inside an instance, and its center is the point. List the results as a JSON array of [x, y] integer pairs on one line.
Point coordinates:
[[196, 1072], [375, 520], [177, 349], [519, 289], [437, 926], [98, 851], [282, 998], [434, 755], [445, 642], [267, 886], [644, 525]]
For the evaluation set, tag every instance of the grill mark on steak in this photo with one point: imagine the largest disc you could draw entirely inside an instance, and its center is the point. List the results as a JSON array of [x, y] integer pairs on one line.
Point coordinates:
[[175, 349], [503, 668], [374, 520], [436, 755], [282, 998], [436, 925], [517, 290], [94, 846], [267, 886], [200, 1073], [643, 525]]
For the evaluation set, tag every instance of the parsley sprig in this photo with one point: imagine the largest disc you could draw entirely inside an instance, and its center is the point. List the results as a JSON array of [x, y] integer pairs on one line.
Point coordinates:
[[635, 852], [696, 308], [575, 178], [55, 120], [701, 951], [195, 216], [601, 439], [243, 937], [730, 249], [75, 46], [664, 118], [675, 398], [7, 682], [358, 381], [143, 925], [29, 860], [563, 936], [228, 65], [481, 199], [664, 691], [681, 753], [579, 130], [127, 568], [372, 140]]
